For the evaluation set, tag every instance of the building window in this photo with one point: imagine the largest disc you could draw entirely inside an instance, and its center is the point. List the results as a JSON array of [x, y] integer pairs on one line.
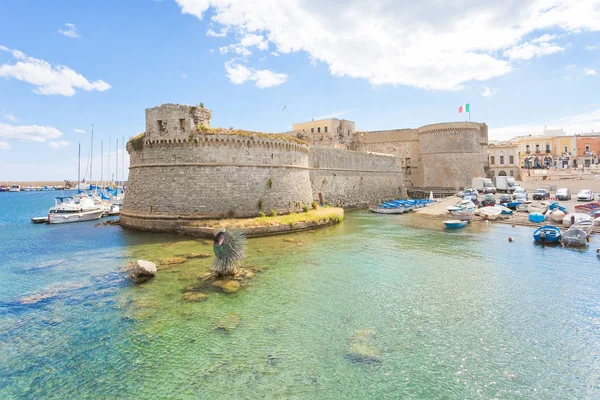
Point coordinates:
[[548, 149], [407, 162], [319, 129], [312, 130], [182, 125], [527, 150], [512, 160], [492, 160], [161, 127], [512, 173], [566, 150], [537, 148], [501, 160], [587, 148], [325, 129]]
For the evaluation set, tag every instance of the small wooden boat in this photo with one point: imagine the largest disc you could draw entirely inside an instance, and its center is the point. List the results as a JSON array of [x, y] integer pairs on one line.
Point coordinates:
[[455, 224], [589, 208], [586, 225], [540, 207], [490, 213], [463, 215], [513, 204], [523, 207], [504, 210], [547, 234], [380, 210], [572, 218], [556, 215], [574, 237], [536, 217], [39, 220]]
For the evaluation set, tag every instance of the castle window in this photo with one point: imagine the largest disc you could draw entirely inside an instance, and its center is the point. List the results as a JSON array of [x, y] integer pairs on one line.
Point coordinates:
[[501, 160], [182, 125], [319, 129], [312, 130], [566, 150], [512, 160], [408, 163], [160, 127], [492, 160], [325, 129]]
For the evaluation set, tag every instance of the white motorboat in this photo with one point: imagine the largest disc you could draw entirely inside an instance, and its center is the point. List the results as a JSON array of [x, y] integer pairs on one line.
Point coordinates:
[[490, 213], [28, 189], [574, 218], [465, 204], [74, 209], [14, 188], [574, 237]]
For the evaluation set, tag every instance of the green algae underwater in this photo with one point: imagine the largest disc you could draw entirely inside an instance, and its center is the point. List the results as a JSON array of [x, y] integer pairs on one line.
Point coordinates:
[[376, 307]]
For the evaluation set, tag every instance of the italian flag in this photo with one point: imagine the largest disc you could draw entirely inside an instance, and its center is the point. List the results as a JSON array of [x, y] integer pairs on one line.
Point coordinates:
[[464, 109]]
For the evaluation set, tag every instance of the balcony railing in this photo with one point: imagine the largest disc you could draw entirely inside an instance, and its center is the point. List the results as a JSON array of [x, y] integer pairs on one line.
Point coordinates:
[[547, 151], [527, 151], [588, 153]]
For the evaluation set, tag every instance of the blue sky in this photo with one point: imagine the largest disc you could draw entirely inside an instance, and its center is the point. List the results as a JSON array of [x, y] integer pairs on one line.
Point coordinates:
[[383, 64]]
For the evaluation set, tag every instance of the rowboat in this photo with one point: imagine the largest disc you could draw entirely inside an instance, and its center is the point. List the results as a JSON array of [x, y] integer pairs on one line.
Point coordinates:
[[540, 207], [504, 210], [513, 204], [570, 219], [490, 213], [378, 210], [589, 208], [585, 225], [455, 224], [523, 207], [536, 217], [547, 234], [574, 237], [556, 215], [462, 215]]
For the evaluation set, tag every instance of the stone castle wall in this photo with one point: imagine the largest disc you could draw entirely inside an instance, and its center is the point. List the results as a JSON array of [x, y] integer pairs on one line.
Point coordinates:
[[215, 176], [351, 179]]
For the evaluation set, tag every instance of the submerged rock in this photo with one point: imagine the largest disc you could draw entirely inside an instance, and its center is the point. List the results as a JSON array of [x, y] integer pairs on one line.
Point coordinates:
[[363, 347], [172, 261], [144, 269], [227, 322], [195, 297]]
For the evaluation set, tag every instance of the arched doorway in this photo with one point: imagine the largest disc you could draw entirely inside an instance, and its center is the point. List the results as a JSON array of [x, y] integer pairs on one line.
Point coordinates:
[[502, 173]]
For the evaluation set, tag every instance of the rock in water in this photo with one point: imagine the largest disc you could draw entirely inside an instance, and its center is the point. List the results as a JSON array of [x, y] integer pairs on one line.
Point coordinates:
[[363, 347], [144, 269]]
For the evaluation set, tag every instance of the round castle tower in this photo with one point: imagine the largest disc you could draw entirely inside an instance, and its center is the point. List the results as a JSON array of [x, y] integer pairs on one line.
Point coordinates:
[[182, 170]]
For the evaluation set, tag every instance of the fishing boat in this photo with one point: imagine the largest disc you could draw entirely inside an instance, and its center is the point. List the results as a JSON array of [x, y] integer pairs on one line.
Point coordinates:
[[574, 237], [463, 215], [538, 206], [74, 209], [585, 225], [589, 208], [490, 213], [573, 218], [536, 217], [556, 206], [513, 204], [504, 210], [547, 234], [455, 224], [381, 210], [14, 188], [556, 215], [28, 189], [465, 204]]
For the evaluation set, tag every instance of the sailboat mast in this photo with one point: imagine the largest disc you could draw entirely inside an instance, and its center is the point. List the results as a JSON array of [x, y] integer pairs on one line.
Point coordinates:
[[109, 175], [123, 160], [79, 167], [117, 158], [92, 154], [101, 161]]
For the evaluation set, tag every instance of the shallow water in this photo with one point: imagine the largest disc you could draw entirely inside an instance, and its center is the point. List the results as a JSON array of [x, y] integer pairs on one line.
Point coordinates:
[[459, 314]]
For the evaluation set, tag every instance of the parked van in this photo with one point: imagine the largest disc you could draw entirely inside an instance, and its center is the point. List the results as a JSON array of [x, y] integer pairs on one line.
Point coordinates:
[[505, 183], [484, 185]]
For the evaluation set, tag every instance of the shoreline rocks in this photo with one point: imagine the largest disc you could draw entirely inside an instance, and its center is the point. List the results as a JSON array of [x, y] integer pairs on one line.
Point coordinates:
[[144, 270]]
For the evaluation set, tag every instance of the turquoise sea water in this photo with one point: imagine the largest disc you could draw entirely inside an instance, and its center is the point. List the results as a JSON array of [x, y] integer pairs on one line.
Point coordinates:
[[457, 315]]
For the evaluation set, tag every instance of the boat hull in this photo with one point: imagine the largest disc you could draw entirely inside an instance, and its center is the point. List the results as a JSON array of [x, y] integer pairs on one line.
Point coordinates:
[[378, 210], [455, 224], [574, 238], [547, 234], [64, 218]]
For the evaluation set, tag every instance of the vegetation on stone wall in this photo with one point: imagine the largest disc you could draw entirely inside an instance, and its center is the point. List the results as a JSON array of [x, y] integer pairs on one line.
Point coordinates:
[[315, 205], [201, 104], [273, 213], [270, 183], [305, 208], [260, 204], [137, 142], [205, 130]]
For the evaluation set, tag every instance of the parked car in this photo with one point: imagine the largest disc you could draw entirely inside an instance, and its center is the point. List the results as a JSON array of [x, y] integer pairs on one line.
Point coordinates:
[[585, 195], [541, 194], [488, 200], [520, 194], [563, 194], [504, 198]]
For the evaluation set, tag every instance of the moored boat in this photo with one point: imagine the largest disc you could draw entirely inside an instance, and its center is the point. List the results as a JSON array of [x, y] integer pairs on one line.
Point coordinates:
[[74, 209], [513, 204], [14, 188], [504, 210], [538, 206], [556, 215], [536, 217], [589, 208], [380, 210], [574, 237], [39, 220], [573, 218], [490, 213], [547, 234], [463, 214], [455, 224]]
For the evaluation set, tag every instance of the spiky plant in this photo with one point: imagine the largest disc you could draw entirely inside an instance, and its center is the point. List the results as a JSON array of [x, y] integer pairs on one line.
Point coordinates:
[[229, 248]]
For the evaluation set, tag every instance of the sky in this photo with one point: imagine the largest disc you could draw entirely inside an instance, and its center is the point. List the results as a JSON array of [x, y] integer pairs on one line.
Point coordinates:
[[263, 65]]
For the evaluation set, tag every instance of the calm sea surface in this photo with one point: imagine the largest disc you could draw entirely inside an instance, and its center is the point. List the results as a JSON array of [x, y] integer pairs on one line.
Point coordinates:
[[457, 315]]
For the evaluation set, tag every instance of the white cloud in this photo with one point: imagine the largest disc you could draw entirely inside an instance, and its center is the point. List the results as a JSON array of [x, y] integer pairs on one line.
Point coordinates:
[[489, 92], [31, 133], [211, 51], [48, 79], [335, 114], [589, 71], [535, 48], [10, 117], [592, 47], [572, 124], [79, 130], [183, 75], [58, 144], [275, 54], [243, 47], [70, 31], [221, 33], [414, 44], [4, 146], [238, 74]]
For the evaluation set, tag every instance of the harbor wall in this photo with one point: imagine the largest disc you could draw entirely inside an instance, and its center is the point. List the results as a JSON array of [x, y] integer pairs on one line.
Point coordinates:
[[347, 178]]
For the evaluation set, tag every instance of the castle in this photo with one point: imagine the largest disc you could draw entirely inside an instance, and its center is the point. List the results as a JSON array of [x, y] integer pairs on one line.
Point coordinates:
[[182, 170]]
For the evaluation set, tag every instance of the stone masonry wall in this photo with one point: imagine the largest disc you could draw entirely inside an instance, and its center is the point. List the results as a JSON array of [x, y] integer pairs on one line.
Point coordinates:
[[174, 121], [351, 179], [216, 176]]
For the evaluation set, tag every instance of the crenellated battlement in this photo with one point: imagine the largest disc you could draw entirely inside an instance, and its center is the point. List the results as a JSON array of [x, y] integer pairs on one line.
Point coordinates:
[[175, 121]]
